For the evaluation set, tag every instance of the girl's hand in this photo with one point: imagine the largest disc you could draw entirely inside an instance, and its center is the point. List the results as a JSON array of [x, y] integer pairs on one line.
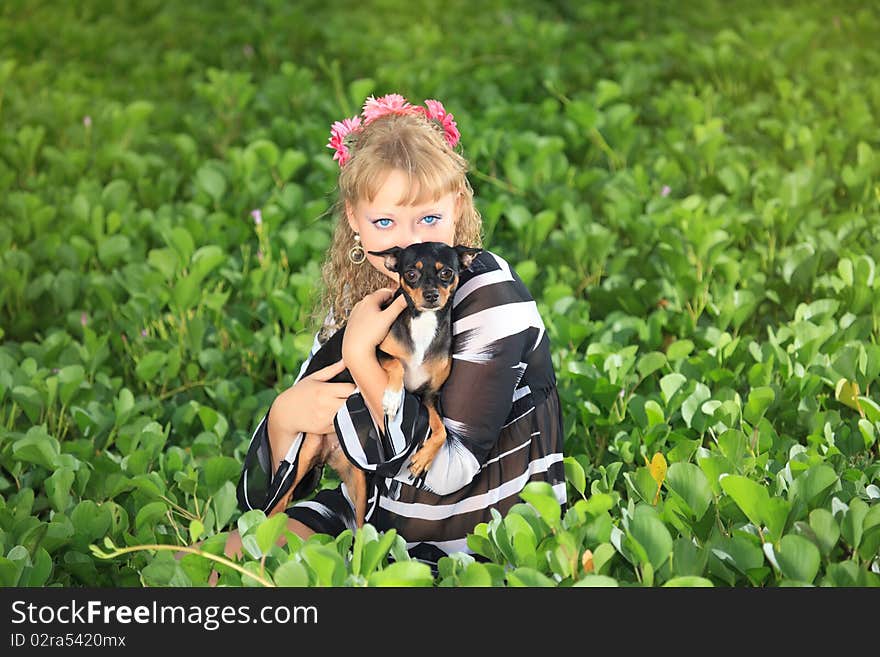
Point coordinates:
[[311, 404], [368, 324]]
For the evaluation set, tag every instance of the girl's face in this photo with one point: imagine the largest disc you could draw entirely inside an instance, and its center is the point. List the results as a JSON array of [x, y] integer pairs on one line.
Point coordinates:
[[383, 224]]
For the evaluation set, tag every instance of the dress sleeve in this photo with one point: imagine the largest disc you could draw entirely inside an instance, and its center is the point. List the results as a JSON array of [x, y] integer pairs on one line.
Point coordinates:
[[496, 325], [257, 488]]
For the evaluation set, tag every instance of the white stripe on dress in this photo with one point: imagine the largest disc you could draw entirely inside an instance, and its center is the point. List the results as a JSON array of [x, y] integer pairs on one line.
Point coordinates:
[[291, 454], [350, 438], [481, 280], [519, 393], [475, 503], [493, 324]]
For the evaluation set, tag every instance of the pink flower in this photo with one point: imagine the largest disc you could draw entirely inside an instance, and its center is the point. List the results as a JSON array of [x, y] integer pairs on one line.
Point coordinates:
[[665, 191], [83, 319], [258, 217], [438, 113], [388, 104], [87, 121], [338, 134], [143, 333], [260, 255]]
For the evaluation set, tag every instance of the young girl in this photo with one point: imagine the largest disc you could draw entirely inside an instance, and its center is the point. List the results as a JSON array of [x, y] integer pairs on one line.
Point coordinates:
[[402, 181]]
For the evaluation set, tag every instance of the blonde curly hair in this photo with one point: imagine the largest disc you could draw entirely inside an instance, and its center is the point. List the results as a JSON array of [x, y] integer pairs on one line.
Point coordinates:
[[416, 146]]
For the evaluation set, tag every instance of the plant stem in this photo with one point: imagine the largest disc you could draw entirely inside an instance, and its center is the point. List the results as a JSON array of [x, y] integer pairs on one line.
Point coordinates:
[[177, 548]]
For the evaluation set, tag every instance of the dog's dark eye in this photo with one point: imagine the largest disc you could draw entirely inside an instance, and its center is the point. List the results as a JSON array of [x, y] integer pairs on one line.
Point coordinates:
[[411, 275], [446, 275]]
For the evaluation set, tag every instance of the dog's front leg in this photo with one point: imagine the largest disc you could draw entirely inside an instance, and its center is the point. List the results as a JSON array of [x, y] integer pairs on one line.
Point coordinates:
[[423, 458], [392, 398]]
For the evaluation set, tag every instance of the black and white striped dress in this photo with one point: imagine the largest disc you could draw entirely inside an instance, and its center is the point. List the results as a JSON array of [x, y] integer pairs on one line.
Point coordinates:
[[502, 415]]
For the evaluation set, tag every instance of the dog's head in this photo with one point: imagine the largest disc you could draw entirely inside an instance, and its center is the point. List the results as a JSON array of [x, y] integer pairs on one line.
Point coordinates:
[[429, 271]]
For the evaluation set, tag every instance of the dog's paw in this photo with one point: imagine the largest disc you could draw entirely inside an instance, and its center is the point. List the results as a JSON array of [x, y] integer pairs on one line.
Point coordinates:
[[391, 402]]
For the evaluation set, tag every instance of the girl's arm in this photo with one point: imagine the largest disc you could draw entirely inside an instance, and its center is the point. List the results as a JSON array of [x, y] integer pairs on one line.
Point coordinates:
[[371, 378]]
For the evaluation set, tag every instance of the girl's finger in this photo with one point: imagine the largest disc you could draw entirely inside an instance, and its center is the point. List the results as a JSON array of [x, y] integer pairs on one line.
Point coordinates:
[[330, 371], [342, 390]]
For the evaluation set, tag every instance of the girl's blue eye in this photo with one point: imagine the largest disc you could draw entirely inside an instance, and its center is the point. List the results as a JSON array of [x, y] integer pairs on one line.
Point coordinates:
[[434, 219]]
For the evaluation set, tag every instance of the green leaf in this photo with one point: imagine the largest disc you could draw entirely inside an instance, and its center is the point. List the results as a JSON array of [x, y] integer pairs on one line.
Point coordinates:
[[149, 366], [291, 573], [225, 504], [688, 559], [212, 182], [670, 384], [165, 261], [738, 552], [691, 405], [530, 577], [37, 447], [689, 581], [813, 483], [852, 526], [403, 573], [205, 260], [689, 481], [655, 413], [826, 529], [597, 580], [574, 473], [759, 400], [375, 551], [540, 495], [325, 562], [798, 558], [476, 574], [30, 401], [650, 363], [41, 569], [219, 470], [602, 557], [642, 483], [196, 529], [149, 513], [650, 532], [679, 350], [70, 378], [113, 250], [748, 495], [269, 531], [10, 572], [58, 488], [867, 431]]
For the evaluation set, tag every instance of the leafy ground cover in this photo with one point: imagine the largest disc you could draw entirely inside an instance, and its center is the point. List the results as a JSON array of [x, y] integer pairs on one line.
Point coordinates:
[[691, 195]]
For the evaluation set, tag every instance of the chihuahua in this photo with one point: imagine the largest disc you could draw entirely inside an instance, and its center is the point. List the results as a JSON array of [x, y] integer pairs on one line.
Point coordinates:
[[416, 354]]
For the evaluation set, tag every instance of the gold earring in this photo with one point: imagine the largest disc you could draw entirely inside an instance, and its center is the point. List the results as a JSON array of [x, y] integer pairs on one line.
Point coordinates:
[[356, 254]]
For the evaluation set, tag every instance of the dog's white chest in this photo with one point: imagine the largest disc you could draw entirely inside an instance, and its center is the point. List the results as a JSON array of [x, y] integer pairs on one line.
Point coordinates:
[[422, 329]]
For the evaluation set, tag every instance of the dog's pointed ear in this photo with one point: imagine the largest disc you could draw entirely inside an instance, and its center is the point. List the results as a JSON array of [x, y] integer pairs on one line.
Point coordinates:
[[466, 255], [392, 257]]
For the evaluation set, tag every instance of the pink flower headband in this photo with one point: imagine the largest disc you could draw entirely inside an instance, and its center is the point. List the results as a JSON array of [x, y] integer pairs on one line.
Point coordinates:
[[343, 133]]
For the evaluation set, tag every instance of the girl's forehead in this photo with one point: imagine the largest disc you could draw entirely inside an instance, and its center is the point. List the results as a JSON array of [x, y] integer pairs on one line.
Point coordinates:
[[401, 189]]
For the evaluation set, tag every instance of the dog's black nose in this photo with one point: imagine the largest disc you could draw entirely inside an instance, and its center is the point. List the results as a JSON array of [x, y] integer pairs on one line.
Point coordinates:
[[431, 296]]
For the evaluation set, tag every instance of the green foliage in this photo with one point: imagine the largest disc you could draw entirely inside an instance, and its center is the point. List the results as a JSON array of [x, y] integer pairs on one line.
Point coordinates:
[[695, 213]]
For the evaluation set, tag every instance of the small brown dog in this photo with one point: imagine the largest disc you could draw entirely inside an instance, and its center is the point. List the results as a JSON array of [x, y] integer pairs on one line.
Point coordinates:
[[416, 354]]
